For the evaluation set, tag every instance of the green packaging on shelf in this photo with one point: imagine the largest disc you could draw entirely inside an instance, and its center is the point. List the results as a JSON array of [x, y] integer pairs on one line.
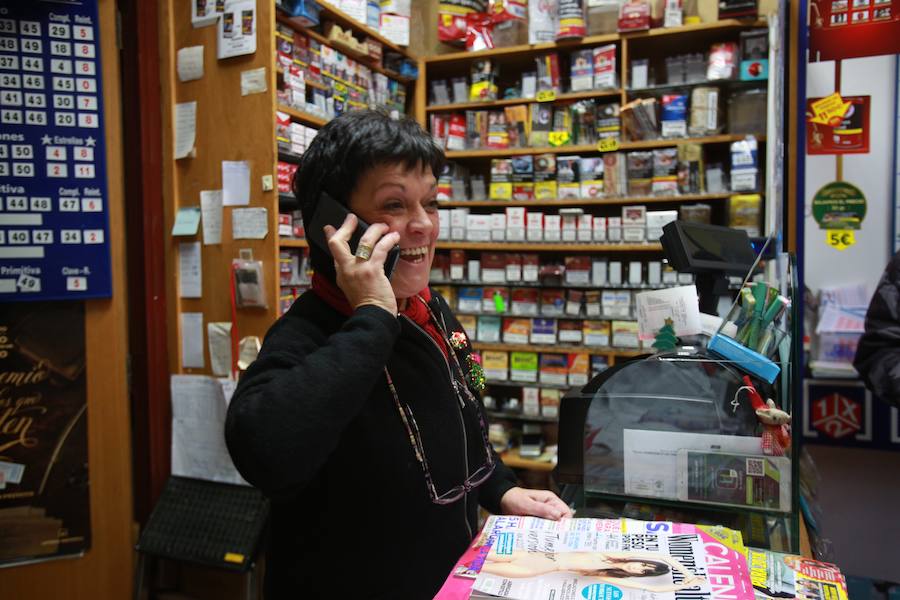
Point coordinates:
[[596, 333], [543, 331], [554, 369], [495, 300], [496, 365], [524, 366], [579, 366], [489, 329], [516, 331]]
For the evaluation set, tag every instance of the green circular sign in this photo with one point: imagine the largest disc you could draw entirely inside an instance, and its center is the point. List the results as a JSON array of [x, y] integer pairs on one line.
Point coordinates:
[[839, 205]]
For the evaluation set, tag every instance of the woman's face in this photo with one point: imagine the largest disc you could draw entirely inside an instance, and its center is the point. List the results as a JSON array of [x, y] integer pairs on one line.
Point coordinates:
[[404, 199], [637, 567]]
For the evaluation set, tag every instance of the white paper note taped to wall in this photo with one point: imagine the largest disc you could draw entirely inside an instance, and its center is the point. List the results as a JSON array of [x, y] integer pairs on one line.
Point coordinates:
[[190, 269], [190, 63], [249, 223], [198, 430], [185, 128], [235, 183], [253, 81], [192, 341], [219, 347], [211, 207]]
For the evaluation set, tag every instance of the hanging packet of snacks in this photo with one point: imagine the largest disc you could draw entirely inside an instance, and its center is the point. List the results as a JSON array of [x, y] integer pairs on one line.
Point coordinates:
[[479, 32], [452, 18], [571, 22]]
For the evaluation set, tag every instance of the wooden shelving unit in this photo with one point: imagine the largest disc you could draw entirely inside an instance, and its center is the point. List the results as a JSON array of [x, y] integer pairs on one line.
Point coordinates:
[[303, 117], [557, 349], [560, 99], [512, 459], [653, 45], [291, 243], [579, 149]]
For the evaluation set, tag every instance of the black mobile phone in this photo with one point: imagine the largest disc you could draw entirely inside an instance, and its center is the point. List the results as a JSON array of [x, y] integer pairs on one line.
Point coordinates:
[[331, 212]]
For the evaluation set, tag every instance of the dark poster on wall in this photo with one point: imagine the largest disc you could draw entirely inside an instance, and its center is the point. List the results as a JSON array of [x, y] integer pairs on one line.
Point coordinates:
[[44, 501], [853, 28]]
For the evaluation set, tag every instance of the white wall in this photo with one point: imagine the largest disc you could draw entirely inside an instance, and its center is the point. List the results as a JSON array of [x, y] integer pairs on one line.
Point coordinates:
[[872, 173], [860, 490]]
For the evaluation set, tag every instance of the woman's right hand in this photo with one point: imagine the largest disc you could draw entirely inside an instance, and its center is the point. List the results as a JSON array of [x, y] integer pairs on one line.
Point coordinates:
[[363, 281]]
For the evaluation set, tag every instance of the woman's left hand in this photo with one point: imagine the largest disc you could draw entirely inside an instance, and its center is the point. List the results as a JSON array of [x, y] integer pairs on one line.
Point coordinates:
[[534, 503]]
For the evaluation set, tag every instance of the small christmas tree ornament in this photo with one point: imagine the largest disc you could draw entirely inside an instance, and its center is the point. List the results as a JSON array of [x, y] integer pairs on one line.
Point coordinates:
[[666, 338]]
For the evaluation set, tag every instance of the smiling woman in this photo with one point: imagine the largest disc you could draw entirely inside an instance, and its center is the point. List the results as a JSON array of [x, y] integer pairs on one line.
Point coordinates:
[[361, 418]]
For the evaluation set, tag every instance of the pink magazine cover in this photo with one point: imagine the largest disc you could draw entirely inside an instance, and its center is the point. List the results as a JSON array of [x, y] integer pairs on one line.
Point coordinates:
[[726, 566]]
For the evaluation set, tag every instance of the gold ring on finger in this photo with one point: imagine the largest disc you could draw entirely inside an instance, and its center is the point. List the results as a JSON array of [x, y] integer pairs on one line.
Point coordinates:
[[364, 252]]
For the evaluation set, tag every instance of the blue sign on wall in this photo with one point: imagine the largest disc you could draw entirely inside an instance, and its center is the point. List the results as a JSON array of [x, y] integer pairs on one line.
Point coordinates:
[[53, 196]]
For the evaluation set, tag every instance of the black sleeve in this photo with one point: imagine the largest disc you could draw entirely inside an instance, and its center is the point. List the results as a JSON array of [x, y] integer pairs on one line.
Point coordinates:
[[292, 404], [503, 478], [878, 354]]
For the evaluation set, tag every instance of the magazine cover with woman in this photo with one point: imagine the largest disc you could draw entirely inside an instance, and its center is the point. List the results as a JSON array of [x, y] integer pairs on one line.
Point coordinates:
[[526, 558]]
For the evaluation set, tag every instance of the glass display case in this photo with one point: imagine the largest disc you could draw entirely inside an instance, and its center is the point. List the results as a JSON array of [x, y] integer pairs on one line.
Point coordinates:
[[676, 436]]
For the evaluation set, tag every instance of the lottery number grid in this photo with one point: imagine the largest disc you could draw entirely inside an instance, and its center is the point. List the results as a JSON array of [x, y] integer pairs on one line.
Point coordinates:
[[53, 199]]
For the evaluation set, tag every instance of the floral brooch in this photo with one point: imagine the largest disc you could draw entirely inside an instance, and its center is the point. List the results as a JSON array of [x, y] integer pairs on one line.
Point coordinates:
[[459, 341]]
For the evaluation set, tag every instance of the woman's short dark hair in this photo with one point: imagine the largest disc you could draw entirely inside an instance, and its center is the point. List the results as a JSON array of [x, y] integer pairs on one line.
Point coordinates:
[[348, 146]]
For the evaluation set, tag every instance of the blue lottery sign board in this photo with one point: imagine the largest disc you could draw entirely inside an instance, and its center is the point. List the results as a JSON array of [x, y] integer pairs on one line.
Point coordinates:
[[53, 195]]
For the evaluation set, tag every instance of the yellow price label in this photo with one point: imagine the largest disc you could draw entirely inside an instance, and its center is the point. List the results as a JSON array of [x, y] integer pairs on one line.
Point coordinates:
[[840, 239], [234, 557], [610, 144], [546, 96], [829, 110], [559, 138]]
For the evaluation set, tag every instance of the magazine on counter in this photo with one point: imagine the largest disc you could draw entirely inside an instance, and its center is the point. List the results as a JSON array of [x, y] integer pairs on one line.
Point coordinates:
[[777, 575], [529, 558]]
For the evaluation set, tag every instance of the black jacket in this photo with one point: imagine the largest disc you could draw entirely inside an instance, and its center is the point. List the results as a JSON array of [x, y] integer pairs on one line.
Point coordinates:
[[314, 426], [878, 353]]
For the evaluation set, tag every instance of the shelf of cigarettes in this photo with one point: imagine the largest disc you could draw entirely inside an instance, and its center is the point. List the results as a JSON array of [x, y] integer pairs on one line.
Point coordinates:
[[589, 69], [660, 172], [549, 368], [541, 271], [518, 224], [337, 83]]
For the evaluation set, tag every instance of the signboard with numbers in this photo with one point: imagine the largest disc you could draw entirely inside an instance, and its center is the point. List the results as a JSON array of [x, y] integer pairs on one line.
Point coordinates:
[[53, 197]]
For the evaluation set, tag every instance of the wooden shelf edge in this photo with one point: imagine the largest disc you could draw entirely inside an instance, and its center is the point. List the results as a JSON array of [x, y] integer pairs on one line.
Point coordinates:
[[548, 247], [302, 116], [595, 39], [291, 243], [513, 101], [555, 349], [629, 145], [512, 459], [571, 202]]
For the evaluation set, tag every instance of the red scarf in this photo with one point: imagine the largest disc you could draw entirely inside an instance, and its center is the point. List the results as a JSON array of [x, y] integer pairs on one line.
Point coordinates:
[[415, 308]]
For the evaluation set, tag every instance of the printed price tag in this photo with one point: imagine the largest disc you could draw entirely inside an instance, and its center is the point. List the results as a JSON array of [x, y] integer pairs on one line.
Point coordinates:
[[559, 138], [609, 144], [546, 96], [830, 110], [840, 239], [28, 284]]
